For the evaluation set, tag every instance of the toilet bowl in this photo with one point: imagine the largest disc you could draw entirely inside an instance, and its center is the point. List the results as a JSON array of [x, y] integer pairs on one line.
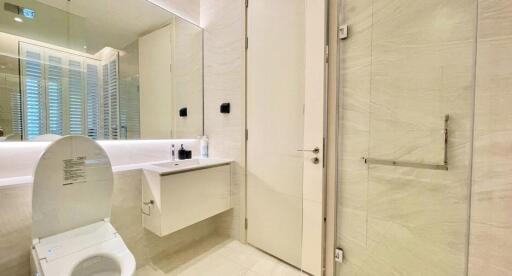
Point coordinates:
[[71, 199]]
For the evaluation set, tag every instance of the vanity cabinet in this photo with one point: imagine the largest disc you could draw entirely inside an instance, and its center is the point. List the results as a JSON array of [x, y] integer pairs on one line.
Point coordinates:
[[173, 201]]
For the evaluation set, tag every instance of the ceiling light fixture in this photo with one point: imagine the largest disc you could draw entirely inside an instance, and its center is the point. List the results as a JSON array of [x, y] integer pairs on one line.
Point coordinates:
[[17, 19]]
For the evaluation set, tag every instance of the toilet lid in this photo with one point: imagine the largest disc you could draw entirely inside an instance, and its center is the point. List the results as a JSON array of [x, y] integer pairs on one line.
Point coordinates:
[[72, 187]]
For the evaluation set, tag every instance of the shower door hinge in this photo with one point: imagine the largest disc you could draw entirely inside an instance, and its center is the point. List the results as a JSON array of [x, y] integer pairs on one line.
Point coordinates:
[[246, 134], [246, 224], [246, 43], [343, 32]]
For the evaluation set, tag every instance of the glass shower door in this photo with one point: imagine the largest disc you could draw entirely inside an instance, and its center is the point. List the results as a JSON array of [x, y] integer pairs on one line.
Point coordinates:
[[406, 88]]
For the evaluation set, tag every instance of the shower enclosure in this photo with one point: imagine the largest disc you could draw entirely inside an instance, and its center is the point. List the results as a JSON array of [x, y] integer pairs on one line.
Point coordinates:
[[405, 124]]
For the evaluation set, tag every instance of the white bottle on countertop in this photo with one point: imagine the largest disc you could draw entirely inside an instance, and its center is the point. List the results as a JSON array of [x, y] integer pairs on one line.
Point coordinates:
[[204, 146]]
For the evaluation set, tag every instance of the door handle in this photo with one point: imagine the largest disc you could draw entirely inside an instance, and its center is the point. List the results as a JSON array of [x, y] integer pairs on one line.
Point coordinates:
[[316, 150]]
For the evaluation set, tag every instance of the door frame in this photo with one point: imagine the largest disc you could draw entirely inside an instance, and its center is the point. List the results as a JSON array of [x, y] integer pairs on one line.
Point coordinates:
[[334, 98]]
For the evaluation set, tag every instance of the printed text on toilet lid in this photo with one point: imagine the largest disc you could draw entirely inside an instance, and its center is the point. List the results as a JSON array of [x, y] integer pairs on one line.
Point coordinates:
[[74, 170]]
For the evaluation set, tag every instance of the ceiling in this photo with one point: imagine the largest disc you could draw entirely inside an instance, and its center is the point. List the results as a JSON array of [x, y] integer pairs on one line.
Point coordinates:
[[114, 23]]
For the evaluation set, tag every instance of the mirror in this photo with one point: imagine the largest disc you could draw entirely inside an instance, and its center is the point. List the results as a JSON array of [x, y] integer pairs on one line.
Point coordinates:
[[110, 70]]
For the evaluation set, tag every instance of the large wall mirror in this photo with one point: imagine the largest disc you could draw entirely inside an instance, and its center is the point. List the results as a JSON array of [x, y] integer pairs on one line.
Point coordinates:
[[109, 70]]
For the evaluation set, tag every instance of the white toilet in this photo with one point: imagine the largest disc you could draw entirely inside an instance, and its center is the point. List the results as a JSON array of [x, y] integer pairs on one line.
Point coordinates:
[[71, 202]]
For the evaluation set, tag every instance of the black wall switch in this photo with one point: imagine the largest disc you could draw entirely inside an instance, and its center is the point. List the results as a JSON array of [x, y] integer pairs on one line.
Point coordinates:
[[225, 108], [183, 112]]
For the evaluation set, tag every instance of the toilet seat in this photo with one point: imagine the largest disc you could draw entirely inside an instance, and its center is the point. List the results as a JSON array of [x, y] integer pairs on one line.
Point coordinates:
[[60, 254], [71, 201]]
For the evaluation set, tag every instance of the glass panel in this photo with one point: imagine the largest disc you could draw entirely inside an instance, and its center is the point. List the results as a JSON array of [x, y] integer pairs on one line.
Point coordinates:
[[405, 66], [58, 88]]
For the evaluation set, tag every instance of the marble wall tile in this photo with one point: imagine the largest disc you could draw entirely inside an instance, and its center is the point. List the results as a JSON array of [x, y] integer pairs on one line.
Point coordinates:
[[491, 220], [224, 67], [15, 230]]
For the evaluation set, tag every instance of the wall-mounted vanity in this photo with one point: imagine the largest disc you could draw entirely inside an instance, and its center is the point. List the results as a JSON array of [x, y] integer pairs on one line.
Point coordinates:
[[181, 193]]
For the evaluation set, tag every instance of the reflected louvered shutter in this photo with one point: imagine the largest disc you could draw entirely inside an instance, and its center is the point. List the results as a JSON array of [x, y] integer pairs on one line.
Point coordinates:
[[65, 93], [54, 87], [106, 103], [93, 101], [16, 112], [110, 110], [75, 98], [34, 95], [114, 99]]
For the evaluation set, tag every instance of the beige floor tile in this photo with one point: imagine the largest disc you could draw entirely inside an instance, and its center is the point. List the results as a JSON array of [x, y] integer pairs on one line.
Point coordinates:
[[217, 256]]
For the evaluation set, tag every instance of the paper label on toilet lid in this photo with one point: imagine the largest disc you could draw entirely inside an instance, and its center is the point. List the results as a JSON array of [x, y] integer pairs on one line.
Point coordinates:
[[74, 170]]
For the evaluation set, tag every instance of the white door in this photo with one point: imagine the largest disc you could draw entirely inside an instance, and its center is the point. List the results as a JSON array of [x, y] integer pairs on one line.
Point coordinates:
[[285, 101]]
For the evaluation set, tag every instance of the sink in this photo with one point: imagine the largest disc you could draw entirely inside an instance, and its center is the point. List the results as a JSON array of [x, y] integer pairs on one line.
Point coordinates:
[[178, 164]]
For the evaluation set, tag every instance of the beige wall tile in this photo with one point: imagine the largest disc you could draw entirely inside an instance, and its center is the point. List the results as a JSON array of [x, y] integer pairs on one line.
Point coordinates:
[[223, 24], [15, 232], [491, 222]]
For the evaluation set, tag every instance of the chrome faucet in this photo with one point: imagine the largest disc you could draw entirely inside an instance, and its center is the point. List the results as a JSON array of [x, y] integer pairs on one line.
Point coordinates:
[[173, 153]]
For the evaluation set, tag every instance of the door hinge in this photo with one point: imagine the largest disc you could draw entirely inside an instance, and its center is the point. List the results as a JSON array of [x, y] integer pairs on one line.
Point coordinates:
[[246, 43], [246, 224], [246, 134], [338, 255], [343, 32]]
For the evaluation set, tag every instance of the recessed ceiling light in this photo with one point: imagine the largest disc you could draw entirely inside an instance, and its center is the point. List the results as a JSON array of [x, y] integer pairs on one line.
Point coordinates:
[[17, 19]]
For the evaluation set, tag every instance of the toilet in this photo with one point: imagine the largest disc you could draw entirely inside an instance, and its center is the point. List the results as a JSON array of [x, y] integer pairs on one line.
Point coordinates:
[[71, 201]]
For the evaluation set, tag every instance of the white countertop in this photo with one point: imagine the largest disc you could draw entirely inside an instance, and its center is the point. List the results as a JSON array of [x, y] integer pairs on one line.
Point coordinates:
[[162, 167], [171, 167]]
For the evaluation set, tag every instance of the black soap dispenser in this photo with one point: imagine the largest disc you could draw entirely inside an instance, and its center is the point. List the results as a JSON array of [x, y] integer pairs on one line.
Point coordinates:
[[182, 153]]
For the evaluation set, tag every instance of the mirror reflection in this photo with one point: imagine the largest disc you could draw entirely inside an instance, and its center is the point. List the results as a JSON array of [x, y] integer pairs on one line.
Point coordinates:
[[71, 67]]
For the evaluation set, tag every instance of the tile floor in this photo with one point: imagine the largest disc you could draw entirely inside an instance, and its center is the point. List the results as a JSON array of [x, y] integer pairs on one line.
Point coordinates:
[[217, 256]]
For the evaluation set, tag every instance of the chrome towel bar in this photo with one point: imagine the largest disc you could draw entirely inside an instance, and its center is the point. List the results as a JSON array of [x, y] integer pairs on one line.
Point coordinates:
[[443, 167]]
